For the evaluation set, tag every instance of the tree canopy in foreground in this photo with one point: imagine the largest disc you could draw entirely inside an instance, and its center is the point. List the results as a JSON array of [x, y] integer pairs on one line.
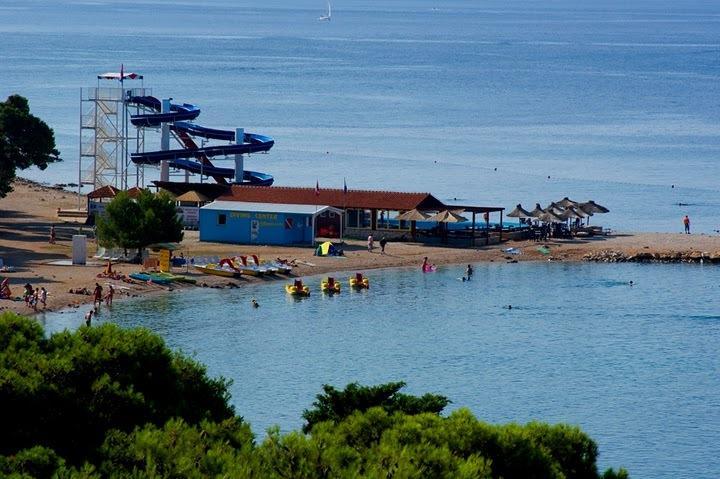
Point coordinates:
[[136, 223], [107, 402], [25, 141]]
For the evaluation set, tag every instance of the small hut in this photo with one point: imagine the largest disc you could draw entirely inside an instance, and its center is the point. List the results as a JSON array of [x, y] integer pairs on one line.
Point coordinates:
[[189, 204]]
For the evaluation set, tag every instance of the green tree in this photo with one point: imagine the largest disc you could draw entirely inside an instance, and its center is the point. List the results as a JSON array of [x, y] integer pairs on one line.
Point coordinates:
[[136, 223], [111, 403], [25, 141], [68, 391], [335, 405]]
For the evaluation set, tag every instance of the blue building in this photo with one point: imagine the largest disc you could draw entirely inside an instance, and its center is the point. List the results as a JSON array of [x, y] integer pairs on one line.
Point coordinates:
[[262, 223]]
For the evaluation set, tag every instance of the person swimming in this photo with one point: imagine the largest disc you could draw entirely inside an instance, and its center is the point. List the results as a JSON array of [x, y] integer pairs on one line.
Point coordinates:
[[255, 304]]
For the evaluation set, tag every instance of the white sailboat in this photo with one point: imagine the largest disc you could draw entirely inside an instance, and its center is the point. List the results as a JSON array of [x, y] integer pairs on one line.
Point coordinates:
[[324, 18]]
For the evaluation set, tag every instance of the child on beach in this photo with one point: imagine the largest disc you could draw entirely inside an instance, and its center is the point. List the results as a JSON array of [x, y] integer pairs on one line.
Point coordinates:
[[383, 242], [43, 297], [35, 299], [27, 293], [370, 243]]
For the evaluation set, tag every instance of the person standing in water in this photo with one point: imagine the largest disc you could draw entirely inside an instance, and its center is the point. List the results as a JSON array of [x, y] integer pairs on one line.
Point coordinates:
[[469, 271], [97, 295], [110, 295], [686, 223]]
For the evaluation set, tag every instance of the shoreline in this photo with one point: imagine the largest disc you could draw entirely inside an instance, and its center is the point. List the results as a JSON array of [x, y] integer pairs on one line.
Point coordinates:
[[27, 214]]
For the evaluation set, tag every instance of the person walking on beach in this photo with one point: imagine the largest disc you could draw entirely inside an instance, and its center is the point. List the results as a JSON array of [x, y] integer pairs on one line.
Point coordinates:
[[383, 242], [370, 243], [97, 295], [52, 234], [27, 293], [43, 297], [686, 222], [35, 299]]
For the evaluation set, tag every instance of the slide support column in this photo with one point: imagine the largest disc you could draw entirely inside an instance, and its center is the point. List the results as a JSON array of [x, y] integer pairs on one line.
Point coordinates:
[[165, 141], [239, 161]]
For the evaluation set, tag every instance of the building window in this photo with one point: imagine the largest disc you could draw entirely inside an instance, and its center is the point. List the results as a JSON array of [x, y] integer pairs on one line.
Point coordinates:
[[352, 218], [222, 218]]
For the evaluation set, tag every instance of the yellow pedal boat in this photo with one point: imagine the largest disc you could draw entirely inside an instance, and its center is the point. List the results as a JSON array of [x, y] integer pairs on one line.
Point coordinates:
[[359, 281], [329, 285], [297, 289]]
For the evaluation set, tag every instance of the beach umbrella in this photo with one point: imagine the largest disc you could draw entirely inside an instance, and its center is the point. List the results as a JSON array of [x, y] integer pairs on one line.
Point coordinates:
[[447, 217], [554, 208], [413, 215], [566, 202], [579, 211], [537, 211], [519, 212], [571, 213], [593, 207], [549, 217]]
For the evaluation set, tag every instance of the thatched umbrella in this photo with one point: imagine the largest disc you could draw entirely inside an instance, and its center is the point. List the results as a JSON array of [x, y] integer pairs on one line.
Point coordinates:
[[537, 211], [554, 208], [566, 202], [549, 217], [571, 213], [593, 207], [447, 216], [519, 212], [413, 215]]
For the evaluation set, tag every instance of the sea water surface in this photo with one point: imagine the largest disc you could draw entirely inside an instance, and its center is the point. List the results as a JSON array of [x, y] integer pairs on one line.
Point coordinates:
[[492, 102], [635, 366]]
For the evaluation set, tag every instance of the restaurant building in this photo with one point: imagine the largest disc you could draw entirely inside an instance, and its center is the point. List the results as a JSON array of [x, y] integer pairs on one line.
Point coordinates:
[[333, 213]]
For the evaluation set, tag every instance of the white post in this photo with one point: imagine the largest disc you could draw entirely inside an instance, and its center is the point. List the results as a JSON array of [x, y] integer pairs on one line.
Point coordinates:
[[165, 141], [239, 163]]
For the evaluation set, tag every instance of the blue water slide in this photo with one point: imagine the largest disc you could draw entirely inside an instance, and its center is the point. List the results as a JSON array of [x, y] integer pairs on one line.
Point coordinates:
[[155, 157], [178, 118], [252, 177], [178, 112]]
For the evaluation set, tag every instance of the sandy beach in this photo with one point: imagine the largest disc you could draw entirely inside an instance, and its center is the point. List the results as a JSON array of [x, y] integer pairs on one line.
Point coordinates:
[[27, 213]]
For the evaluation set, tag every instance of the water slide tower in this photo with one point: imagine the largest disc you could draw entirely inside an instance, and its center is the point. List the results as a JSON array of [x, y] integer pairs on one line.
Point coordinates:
[[106, 135]]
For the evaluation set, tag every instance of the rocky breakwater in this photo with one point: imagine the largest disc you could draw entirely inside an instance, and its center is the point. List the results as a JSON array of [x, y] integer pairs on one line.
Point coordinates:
[[610, 256]]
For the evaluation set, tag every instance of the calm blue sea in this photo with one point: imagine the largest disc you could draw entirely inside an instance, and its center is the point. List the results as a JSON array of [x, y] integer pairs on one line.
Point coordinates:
[[614, 101], [635, 366]]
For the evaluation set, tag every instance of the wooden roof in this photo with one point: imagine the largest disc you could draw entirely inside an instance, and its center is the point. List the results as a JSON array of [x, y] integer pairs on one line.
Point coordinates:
[[107, 191], [360, 199], [134, 192]]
